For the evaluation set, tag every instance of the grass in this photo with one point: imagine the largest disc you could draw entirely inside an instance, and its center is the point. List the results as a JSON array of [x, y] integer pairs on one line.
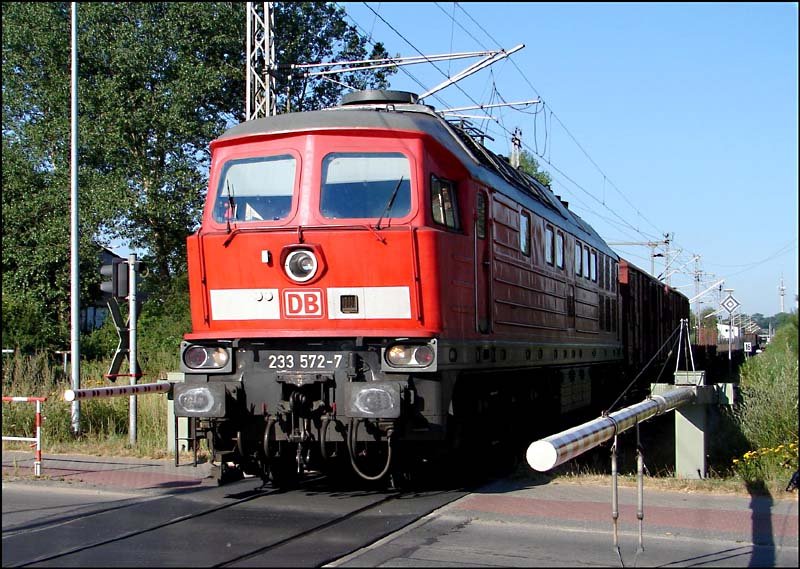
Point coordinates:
[[665, 481], [104, 422]]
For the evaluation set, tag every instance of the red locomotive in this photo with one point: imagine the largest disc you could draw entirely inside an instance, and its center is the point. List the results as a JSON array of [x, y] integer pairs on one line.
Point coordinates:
[[369, 279]]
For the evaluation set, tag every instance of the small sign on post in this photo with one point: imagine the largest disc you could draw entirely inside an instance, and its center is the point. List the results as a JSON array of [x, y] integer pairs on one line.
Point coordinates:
[[730, 304]]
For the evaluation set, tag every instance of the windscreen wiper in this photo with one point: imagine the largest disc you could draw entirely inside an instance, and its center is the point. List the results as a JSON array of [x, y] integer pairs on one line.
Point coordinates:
[[389, 205], [231, 204]]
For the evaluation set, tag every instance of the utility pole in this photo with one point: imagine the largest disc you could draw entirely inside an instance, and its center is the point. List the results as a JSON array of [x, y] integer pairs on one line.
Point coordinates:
[[652, 245], [666, 255], [260, 77], [782, 293], [516, 144], [75, 284], [696, 295]]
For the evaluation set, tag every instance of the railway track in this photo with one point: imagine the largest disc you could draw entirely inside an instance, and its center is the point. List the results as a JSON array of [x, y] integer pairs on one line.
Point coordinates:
[[239, 525]]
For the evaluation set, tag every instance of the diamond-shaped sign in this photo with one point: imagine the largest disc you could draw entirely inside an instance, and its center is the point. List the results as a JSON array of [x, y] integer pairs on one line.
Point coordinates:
[[730, 304]]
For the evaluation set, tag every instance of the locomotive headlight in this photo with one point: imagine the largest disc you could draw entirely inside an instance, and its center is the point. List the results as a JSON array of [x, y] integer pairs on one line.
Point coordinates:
[[410, 355], [399, 355], [197, 357], [301, 265]]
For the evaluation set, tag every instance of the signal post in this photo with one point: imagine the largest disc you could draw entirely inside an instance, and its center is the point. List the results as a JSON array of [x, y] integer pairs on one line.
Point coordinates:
[[122, 284]]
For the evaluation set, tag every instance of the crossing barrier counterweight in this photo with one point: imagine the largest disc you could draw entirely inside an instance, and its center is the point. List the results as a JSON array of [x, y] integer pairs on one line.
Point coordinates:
[[37, 440]]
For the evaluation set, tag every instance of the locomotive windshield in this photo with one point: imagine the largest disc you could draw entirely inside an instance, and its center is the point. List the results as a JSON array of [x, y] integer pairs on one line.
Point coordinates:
[[256, 189], [365, 185]]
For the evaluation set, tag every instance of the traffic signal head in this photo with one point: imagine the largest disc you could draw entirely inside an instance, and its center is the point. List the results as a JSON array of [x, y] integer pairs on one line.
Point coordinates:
[[117, 275]]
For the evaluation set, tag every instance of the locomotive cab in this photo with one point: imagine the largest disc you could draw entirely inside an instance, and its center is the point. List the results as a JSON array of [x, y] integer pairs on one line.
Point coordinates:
[[314, 291]]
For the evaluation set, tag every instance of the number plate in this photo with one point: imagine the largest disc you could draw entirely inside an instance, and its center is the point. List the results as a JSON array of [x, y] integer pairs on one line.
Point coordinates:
[[305, 361]]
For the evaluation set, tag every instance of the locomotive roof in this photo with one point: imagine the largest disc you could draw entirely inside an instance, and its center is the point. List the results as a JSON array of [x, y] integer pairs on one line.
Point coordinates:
[[483, 164]]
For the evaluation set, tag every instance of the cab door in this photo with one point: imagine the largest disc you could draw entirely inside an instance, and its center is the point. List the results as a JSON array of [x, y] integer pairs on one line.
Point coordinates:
[[483, 264]]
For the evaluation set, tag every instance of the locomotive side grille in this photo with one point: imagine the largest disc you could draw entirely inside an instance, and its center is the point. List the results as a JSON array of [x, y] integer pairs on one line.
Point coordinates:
[[348, 304]]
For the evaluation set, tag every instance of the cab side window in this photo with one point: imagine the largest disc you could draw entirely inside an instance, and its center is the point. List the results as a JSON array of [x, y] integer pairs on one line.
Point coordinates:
[[444, 208], [548, 245], [525, 233], [560, 250], [480, 207]]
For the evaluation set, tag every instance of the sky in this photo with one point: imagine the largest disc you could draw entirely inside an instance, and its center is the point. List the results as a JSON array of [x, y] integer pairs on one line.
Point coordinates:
[[655, 119]]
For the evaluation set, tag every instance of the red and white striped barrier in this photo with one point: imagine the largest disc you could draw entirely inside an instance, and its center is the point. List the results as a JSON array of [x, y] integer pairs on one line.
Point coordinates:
[[117, 391], [37, 440]]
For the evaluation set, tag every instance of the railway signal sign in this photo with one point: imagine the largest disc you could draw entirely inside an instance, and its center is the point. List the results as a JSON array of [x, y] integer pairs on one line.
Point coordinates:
[[730, 304]]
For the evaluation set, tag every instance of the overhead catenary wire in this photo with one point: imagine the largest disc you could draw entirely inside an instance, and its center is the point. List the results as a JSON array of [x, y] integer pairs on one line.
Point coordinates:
[[545, 153], [377, 15], [606, 178], [644, 369]]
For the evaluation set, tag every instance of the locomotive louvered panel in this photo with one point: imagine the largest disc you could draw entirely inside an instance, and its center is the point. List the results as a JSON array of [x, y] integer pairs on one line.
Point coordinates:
[[518, 296], [519, 286], [506, 241], [519, 274], [587, 318], [505, 213], [506, 230], [509, 313], [576, 390]]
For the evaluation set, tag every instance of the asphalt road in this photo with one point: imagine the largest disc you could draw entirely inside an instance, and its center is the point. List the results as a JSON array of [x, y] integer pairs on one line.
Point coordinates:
[[513, 522]]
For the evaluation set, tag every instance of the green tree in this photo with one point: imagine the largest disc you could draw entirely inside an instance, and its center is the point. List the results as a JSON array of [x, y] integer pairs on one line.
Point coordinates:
[[158, 82], [316, 32], [707, 320], [529, 165]]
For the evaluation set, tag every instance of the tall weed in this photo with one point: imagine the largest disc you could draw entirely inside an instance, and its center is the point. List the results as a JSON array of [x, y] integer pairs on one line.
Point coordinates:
[[768, 412], [104, 422]]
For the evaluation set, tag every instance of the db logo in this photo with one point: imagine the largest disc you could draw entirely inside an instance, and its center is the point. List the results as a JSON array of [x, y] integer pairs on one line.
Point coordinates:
[[302, 303]]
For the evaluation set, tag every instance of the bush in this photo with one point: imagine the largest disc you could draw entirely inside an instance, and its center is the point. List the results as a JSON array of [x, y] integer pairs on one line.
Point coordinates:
[[164, 319], [27, 326], [768, 412]]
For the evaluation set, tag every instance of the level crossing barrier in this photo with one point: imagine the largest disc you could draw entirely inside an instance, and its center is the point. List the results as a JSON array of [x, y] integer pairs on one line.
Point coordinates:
[[116, 391], [545, 454], [688, 398], [132, 391], [37, 440]]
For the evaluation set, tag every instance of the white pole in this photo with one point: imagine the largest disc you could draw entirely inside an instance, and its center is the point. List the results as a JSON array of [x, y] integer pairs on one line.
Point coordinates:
[[132, 344], [74, 236]]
